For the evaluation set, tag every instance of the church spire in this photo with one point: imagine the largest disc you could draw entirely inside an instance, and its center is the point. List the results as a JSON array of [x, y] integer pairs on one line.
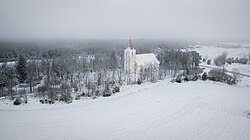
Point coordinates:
[[130, 44]]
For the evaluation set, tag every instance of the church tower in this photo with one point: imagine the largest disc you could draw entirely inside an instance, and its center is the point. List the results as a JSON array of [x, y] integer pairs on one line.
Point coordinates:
[[130, 59]]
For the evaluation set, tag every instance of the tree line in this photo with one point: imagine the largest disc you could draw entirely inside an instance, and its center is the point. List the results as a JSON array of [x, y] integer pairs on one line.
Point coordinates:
[[63, 72]]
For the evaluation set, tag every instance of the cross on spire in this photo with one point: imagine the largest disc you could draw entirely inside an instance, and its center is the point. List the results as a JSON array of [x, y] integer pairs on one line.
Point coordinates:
[[130, 44]]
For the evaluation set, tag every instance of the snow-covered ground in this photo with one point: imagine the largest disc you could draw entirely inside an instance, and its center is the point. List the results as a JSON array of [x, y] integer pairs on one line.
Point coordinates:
[[212, 51], [163, 110], [243, 81]]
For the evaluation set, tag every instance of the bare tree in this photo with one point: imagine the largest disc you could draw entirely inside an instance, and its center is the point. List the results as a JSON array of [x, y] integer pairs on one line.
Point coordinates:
[[236, 75], [31, 74], [221, 59]]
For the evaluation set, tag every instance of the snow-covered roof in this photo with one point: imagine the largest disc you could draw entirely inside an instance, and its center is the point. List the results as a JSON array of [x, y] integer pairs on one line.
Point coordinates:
[[146, 59]]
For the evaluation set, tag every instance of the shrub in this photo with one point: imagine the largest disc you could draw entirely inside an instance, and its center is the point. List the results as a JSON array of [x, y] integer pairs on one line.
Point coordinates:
[[46, 101], [41, 101], [19, 100], [229, 61], [195, 78], [66, 98], [215, 75], [83, 94], [186, 78], [204, 76], [178, 79], [116, 89], [209, 62], [49, 101], [220, 76], [139, 81], [243, 60], [106, 93], [78, 97]]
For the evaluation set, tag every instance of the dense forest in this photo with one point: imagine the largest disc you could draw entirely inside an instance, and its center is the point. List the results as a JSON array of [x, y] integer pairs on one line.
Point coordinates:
[[73, 69]]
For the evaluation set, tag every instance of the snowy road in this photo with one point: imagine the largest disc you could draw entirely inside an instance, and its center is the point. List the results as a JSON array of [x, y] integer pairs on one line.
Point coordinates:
[[216, 67], [163, 110]]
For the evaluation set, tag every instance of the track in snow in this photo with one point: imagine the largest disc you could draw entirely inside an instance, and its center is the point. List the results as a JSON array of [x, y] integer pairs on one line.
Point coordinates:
[[193, 110]]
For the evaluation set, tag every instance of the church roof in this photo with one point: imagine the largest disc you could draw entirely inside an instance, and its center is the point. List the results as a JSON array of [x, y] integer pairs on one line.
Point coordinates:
[[146, 59]]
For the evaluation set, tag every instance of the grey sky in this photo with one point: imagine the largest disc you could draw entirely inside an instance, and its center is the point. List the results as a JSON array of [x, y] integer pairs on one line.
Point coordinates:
[[170, 19]]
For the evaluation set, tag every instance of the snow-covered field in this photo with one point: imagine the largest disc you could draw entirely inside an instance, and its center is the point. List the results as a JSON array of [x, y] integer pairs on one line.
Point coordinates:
[[212, 51], [163, 110]]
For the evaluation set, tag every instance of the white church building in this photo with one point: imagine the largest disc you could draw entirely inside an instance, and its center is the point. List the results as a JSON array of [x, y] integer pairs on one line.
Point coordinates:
[[140, 65]]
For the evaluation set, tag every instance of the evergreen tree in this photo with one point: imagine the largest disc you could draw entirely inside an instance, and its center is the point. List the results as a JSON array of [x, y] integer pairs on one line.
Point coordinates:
[[21, 69], [3, 78]]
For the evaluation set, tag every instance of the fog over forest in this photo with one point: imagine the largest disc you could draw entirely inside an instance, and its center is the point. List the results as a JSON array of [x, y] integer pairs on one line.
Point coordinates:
[[100, 19]]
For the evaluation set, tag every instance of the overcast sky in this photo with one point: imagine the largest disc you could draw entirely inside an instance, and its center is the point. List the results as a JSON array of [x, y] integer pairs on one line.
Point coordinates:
[[168, 19]]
